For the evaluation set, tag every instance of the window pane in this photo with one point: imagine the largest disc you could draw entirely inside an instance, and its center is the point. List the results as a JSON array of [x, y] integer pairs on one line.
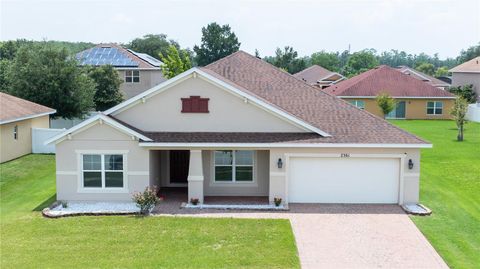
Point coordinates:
[[361, 104], [114, 179], [430, 111], [92, 179], [136, 79], [223, 157], [223, 173], [244, 157], [439, 105], [244, 173], [430, 104], [114, 162], [438, 111], [92, 162], [128, 73], [136, 73], [128, 79]]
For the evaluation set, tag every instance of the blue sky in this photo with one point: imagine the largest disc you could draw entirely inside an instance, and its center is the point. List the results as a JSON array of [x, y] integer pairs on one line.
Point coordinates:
[[440, 26]]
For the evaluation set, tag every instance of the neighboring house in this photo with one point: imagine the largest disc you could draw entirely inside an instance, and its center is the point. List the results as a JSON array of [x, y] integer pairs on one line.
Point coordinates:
[[139, 71], [415, 99], [466, 74], [424, 77], [239, 127], [17, 118], [318, 76]]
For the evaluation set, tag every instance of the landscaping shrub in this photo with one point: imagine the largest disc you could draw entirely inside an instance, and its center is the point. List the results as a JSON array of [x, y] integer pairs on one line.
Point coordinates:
[[146, 200]]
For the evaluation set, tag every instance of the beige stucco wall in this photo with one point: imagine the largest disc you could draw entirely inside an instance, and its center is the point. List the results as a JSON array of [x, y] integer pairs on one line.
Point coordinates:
[[148, 79], [228, 113], [258, 188], [411, 178], [415, 108], [461, 79], [100, 138], [11, 148]]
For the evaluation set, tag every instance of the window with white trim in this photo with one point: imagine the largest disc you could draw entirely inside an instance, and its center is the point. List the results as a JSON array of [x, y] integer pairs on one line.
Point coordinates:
[[434, 108], [103, 171], [15, 132], [358, 103], [132, 76], [233, 165]]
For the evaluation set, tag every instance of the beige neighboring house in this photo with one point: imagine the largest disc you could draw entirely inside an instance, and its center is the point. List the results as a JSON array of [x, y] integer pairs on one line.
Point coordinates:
[[138, 71], [466, 74], [414, 99], [17, 118], [239, 127], [318, 76], [424, 77]]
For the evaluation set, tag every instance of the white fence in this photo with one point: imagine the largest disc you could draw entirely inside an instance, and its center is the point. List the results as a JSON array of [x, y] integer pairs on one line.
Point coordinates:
[[39, 136], [473, 113]]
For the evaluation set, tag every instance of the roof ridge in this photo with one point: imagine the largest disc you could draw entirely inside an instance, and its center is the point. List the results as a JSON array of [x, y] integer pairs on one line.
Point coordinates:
[[226, 57]]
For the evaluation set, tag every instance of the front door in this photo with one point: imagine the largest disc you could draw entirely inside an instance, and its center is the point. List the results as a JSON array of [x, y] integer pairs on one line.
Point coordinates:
[[179, 162]]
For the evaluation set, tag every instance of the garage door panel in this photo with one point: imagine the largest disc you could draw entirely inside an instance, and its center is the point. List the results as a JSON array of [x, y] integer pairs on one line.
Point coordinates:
[[343, 180]]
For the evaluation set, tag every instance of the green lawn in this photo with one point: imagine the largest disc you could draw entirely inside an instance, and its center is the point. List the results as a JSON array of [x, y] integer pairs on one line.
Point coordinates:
[[31, 241], [450, 186]]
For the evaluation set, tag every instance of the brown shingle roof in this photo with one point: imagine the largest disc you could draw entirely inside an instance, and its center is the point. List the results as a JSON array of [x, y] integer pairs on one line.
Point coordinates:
[[422, 76], [346, 123], [472, 66], [385, 79], [313, 74], [13, 108]]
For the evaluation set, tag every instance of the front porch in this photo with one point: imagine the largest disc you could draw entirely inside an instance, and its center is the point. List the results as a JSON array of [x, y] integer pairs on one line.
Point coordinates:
[[175, 198], [213, 177]]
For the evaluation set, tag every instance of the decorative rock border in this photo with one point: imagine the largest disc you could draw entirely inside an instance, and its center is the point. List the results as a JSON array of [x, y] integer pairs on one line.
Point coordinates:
[[417, 209], [236, 207], [48, 212]]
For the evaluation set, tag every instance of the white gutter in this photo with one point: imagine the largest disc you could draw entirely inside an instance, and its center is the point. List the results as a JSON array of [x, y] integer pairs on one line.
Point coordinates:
[[28, 117], [278, 145]]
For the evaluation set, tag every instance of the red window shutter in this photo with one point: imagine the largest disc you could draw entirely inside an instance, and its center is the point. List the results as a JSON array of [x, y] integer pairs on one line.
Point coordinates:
[[195, 104]]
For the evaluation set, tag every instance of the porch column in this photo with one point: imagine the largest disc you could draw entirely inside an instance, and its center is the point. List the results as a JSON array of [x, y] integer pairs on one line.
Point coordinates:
[[195, 176]]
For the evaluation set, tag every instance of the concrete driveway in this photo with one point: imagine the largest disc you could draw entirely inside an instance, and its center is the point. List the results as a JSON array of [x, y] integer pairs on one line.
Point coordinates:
[[344, 236]]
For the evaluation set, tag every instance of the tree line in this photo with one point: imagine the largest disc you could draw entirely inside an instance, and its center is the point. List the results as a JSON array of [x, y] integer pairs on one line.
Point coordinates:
[[46, 72]]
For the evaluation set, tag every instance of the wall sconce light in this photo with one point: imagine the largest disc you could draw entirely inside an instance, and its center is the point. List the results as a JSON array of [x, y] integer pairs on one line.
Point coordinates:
[[279, 163], [410, 164]]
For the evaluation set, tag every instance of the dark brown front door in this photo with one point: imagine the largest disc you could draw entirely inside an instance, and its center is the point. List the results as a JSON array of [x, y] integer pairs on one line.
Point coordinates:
[[179, 161]]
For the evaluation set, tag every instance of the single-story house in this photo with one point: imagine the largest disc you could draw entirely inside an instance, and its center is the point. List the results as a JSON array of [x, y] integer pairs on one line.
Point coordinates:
[[424, 77], [466, 74], [17, 118], [318, 76], [415, 98], [239, 127], [138, 71]]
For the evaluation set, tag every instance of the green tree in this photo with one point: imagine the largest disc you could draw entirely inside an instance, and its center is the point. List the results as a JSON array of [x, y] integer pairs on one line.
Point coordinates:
[[4, 69], [386, 103], [441, 71], [217, 42], [468, 54], [107, 90], [359, 62], [153, 45], [175, 62], [426, 68], [328, 60], [51, 77], [459, 112], [287, 59], [466, 92]]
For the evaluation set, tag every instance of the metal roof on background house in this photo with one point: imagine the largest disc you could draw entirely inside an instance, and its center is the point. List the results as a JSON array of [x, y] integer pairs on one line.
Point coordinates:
[[472, 66], [15, 109], [423, 77], [117, 56], [386, 79]]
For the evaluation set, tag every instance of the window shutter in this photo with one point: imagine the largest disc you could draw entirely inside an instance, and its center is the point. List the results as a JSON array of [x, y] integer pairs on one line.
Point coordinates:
[[195, 104]]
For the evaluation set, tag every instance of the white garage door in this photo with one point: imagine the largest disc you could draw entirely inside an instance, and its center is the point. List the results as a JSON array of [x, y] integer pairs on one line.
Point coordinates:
[[343, 180]]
